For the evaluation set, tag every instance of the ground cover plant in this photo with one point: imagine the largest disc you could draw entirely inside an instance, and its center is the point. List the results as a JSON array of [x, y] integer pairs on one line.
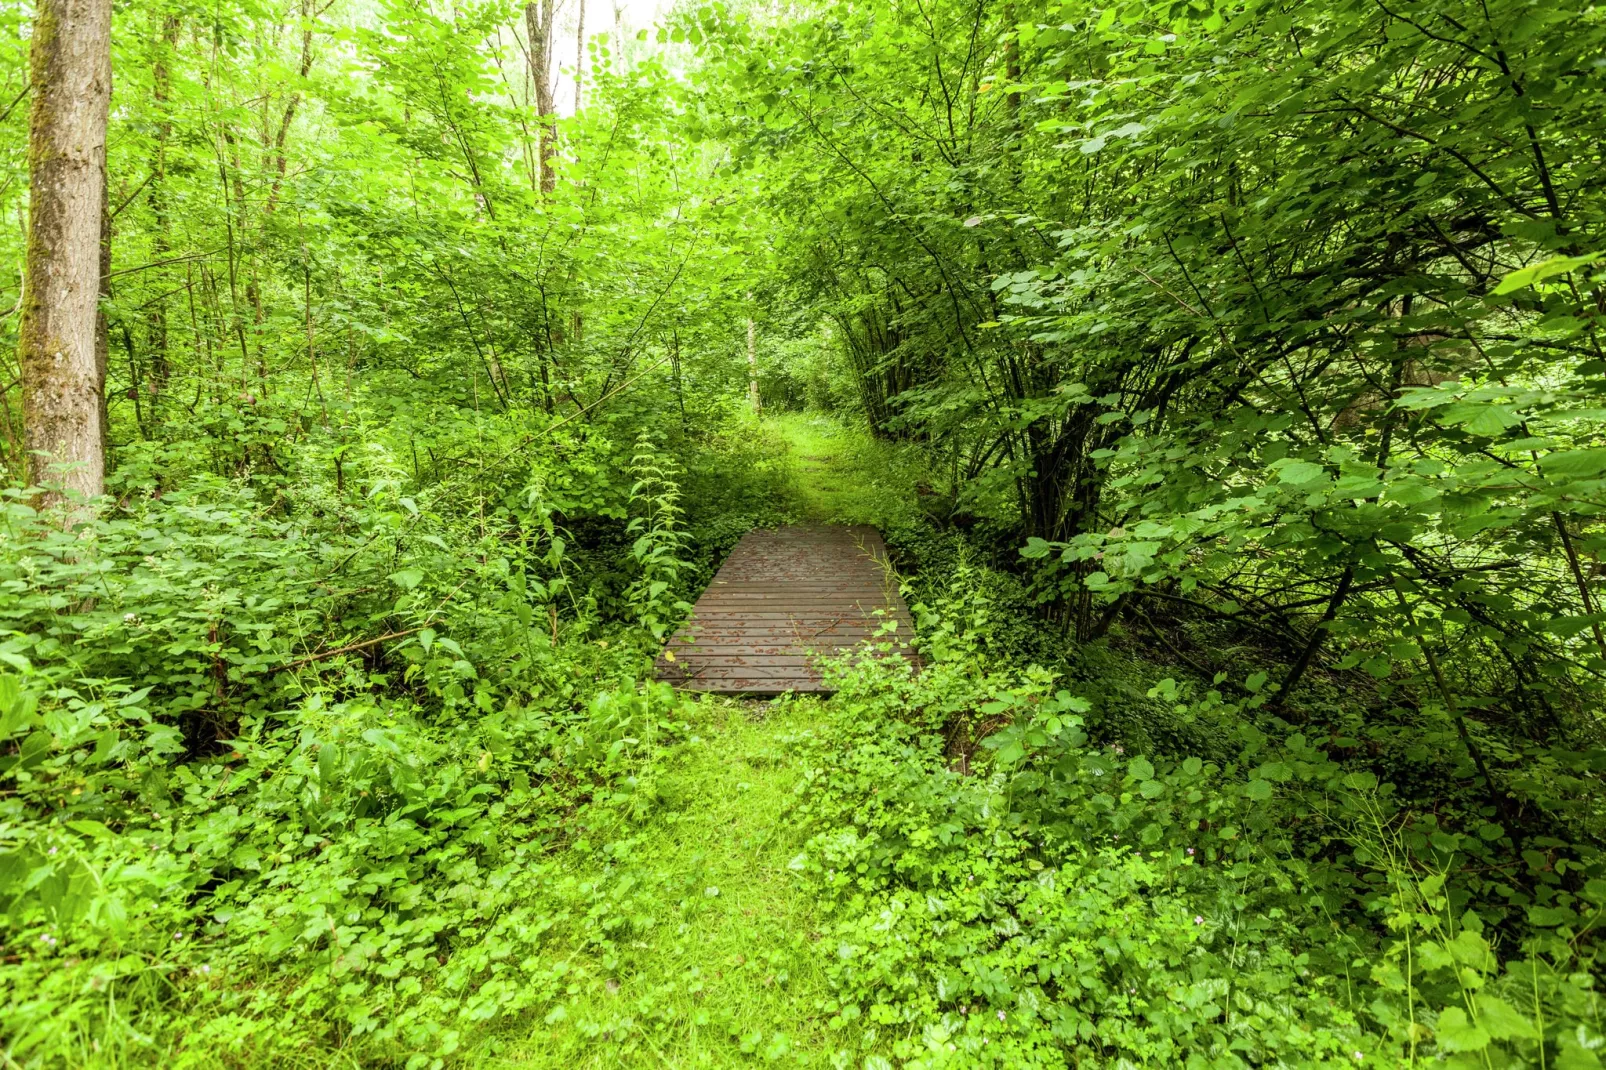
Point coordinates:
[[1225, 379]]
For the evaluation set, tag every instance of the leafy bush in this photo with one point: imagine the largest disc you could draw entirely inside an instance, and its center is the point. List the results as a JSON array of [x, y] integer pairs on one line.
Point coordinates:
[[284, 780], [1066, 901]]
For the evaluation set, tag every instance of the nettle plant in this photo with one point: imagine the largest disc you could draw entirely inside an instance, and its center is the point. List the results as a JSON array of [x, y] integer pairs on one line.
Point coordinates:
[[660, 547]]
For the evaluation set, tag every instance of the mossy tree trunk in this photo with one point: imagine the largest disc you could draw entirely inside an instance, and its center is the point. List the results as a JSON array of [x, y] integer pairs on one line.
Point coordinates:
[[63, 377]]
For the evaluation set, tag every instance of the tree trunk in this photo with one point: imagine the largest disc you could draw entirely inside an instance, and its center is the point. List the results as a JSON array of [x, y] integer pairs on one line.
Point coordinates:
[[161, 89], [63, 382], [752, 365], [103, 335], [579, 55], [538, 18]]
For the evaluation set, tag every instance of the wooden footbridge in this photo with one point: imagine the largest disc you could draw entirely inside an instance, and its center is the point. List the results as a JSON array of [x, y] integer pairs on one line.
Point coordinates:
[[785, 598]]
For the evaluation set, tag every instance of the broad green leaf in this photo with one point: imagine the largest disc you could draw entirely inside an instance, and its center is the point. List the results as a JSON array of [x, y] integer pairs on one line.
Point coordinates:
[[1300, 472], [1501, 1020], [1523, 278], [407, 578], [1456, 1032]]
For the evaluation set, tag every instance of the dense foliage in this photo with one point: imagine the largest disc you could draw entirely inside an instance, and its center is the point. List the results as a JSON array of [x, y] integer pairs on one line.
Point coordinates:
[[1227, 380]]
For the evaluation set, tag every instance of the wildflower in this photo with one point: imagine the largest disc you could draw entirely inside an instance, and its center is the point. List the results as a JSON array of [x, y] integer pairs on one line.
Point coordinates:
[[1198, 919], [52, 850], [1000, 1016], [1190, 851], [177, 937], [48, 940], [1120, 749]]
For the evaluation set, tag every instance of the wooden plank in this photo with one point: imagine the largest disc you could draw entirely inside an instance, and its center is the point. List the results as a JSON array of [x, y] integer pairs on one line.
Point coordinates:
[[784, 599]]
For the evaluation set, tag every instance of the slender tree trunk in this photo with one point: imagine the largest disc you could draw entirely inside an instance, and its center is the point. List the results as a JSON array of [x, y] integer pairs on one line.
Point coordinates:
[[752, 364], [161, 89], [538, 18], [674, 363], [63, 380], [579, 55], [103, 337]]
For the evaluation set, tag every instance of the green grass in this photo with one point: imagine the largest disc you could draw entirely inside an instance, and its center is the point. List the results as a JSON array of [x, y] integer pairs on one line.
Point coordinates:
[[842, 475], [712, 960], [716, 964]]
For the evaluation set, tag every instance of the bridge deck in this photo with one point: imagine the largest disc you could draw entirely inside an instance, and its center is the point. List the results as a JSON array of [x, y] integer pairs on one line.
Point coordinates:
[[784, 598]]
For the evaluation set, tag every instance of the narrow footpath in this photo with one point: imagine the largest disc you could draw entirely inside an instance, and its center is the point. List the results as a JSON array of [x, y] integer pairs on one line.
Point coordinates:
[[717, 967], [715, 963]]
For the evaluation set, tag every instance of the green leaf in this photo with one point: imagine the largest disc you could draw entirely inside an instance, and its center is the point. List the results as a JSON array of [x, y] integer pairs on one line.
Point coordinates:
[[1501, 1020], [1300, 472], [1574, 1056], [1456, 1032], [1276, 771], [1523, 278], [1575, 464], [1488, 420], [407, 578]]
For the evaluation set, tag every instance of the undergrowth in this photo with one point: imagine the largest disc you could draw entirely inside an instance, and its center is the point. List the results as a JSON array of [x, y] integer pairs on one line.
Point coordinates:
[[1009, 885]]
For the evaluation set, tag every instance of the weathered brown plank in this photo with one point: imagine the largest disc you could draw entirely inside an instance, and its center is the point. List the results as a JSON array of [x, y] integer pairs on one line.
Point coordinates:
[[784, 599]]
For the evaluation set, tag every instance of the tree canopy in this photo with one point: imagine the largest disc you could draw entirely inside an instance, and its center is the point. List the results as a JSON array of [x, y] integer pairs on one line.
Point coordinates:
[[1226, 379]]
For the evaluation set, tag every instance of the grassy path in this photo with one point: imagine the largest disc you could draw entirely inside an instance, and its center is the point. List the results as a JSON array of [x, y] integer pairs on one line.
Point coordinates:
[[844, 477], [710, 960], [714, 964]]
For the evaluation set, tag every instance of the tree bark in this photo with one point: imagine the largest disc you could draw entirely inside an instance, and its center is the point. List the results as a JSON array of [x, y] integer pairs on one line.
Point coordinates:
[[538, 24], [63, 380], [579, 55], [161, 91], [752, 365], [103, 334]]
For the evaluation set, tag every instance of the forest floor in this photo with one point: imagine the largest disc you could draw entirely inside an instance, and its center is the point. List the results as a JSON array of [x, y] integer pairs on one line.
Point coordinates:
[[719, 967]]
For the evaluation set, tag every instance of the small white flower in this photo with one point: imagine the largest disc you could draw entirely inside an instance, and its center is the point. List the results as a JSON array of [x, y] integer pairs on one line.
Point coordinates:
[[1000, 1016], [178, 936], [52, 850], [1190, 850], [1198, 919]]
